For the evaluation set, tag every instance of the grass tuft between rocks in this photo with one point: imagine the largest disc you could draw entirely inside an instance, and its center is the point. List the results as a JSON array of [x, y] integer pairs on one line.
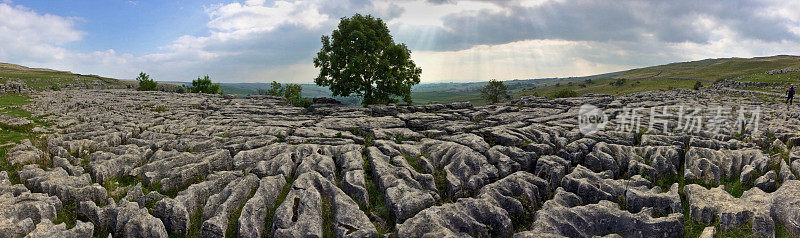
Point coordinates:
[[195, 222], [327, 217], [522, 222], [267, 231], [11, 170], [440, 179], [233, 219], [67, 215], [414, 162], [385, 221]]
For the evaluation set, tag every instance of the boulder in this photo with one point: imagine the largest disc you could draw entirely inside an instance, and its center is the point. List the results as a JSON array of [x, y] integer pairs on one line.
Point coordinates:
[[468, 217], [785, 172], [748, 174], [564, 216], [552, 169], [58, 182], [593, 187], [46, 228], [517, 193], [709, 232], [767, 181], [754, 207], [125, 219]]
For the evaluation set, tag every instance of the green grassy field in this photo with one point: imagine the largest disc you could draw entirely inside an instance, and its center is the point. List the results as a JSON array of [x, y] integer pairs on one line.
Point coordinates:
[[9, 134], [603, 86], [714, 69], [46, 79], [9, 105], [787, 78]]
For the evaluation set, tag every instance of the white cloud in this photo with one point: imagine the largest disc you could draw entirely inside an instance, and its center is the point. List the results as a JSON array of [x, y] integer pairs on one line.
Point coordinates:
[[255, 15], [32, 36], [429, 14]]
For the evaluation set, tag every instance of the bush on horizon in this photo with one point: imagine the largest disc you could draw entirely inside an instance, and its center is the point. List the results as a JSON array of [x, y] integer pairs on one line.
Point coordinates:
[[564, 93], [617, 82], [289, 91], [146, 83], [204, 85]]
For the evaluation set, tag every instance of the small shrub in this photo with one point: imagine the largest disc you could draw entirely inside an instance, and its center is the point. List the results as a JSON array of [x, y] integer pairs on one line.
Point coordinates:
[[617, 82], [564, 93], [698, 85], [204, 85], [160, 108], [291, 92], [276, 90], [146, 83]]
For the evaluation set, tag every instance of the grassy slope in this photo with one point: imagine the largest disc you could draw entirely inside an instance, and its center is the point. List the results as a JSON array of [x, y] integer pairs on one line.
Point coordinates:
[[603, 86], [40, 79], [680, 75], [791, 77], [8, 103], [713, 69]]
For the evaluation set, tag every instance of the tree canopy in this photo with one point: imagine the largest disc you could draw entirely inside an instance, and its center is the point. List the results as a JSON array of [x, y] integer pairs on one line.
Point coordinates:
[[361, 58], [494, 92]]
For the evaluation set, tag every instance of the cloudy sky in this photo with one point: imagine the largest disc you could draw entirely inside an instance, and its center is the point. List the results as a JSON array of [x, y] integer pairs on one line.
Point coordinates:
[[264, 40]]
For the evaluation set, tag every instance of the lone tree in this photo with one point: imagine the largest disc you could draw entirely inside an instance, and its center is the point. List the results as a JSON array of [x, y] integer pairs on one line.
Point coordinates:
[[204, 85], [495, 91], [360, 58], [146, 83]]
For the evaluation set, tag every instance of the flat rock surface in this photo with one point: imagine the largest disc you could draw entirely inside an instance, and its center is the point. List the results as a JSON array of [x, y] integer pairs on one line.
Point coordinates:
[[156, 164]]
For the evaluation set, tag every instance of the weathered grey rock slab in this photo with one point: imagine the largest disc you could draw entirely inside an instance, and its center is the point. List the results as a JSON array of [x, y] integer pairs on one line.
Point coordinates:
[[313, 199], [254, 212], [465, 218]]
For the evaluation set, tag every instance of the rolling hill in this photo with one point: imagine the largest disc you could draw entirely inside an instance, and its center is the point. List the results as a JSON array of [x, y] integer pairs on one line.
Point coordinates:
[[714, 69], [662, 77], [48, 79]]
